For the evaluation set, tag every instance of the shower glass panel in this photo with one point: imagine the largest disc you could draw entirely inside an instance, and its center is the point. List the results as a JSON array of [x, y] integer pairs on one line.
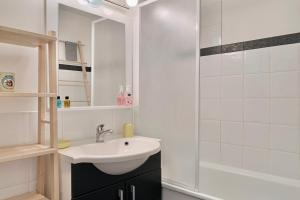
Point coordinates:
[[168, 65]]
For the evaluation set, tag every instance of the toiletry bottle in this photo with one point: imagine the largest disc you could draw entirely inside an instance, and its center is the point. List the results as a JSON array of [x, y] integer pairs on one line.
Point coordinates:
[[128, 96], [128, 130], [121, 97], [58, 102], [67, 102]]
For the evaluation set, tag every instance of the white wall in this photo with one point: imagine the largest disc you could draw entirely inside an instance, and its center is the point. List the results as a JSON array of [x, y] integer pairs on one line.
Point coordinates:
[[255, 19], [230, 21]]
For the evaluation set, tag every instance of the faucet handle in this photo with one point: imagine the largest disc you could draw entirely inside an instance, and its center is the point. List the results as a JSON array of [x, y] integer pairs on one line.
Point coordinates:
[[100, 127]]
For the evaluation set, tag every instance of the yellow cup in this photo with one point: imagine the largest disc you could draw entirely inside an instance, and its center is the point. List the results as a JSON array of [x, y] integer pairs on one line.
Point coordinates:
[[128, 130]]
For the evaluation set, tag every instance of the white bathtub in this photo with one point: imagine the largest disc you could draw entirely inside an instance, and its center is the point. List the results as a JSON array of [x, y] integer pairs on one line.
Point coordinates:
[[231, 183]]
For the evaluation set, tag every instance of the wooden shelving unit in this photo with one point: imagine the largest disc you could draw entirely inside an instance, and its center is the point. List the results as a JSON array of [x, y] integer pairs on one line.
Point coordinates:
[[46, 45], [22, 152]]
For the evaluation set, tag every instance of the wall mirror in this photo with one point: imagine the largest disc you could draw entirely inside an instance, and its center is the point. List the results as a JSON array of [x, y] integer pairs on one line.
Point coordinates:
[[94, 56]]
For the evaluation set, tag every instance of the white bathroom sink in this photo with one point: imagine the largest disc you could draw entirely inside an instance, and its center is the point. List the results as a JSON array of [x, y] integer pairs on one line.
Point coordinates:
[[114, 157]]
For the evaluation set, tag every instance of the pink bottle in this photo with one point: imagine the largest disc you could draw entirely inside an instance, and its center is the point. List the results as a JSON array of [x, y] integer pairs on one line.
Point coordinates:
[[121, 97]]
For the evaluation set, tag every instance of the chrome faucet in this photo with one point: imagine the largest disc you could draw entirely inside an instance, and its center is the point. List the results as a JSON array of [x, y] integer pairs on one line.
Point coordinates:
[[101, 132]]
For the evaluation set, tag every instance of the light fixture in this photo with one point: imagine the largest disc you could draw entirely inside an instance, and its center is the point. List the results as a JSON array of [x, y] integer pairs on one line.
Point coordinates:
[[132, 3], [94, 3]]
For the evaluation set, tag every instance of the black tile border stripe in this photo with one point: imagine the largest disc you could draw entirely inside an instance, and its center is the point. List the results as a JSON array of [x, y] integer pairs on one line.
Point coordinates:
[[73, 68], [253, 44]]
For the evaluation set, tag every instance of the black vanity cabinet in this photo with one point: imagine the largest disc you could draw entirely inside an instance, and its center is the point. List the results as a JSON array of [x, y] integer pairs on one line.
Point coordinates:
[[144, 183], [114, 192], [144, 187]]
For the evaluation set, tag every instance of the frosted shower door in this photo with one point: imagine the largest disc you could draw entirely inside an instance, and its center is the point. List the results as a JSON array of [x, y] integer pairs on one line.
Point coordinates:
[[167, 84]]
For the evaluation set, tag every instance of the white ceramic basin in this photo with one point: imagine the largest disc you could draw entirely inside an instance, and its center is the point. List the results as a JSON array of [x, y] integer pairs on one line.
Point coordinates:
[[114, 157]]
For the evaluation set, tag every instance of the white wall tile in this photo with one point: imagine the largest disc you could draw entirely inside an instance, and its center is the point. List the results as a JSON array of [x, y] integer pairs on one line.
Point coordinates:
[[12, 134], [77, 125], [285, 84], [211, 36], [210, 130], [211, 13], [210, 65], [210, 151], [232, 63], [285, 111], [210, 109], [285, 138], [210, 87], [257, 61], [232, 110], [285, 164], [231, 155], [257, 110], [13, 191], [14, 173], [256, 135], [119, 118], [257, 86], [256, 160], [232, 132], [232, 87], [285, 58]]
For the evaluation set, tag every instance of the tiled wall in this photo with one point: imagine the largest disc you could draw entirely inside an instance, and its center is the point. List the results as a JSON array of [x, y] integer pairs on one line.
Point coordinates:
[[250, 111]]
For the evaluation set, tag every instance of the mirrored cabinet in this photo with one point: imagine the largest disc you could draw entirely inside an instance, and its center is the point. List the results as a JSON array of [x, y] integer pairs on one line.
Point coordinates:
[[94, 60]]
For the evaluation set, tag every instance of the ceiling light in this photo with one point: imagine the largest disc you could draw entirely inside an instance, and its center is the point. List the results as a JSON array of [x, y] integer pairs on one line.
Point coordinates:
[[132, 3]]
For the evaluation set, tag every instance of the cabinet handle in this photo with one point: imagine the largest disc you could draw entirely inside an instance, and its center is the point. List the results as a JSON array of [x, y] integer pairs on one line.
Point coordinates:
[[133, 192], [121, 194]]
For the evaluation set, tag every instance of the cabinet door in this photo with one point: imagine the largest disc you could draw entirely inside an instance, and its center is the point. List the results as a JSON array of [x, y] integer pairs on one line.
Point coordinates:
[[145, 187], [114, 192]]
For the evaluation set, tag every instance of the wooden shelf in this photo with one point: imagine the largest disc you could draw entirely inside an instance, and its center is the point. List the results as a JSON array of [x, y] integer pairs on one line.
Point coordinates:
[[46, 56], [23, 38], [29, 196], [26, 94], [22, 152]]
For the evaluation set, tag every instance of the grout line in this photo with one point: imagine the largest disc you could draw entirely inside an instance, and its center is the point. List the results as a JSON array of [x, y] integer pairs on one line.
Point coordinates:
[[244, 113], [269, 162]]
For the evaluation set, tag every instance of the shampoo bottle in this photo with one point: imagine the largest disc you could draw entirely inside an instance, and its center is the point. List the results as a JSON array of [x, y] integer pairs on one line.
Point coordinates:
[[67, 102], [121, 97], [58, 102]]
